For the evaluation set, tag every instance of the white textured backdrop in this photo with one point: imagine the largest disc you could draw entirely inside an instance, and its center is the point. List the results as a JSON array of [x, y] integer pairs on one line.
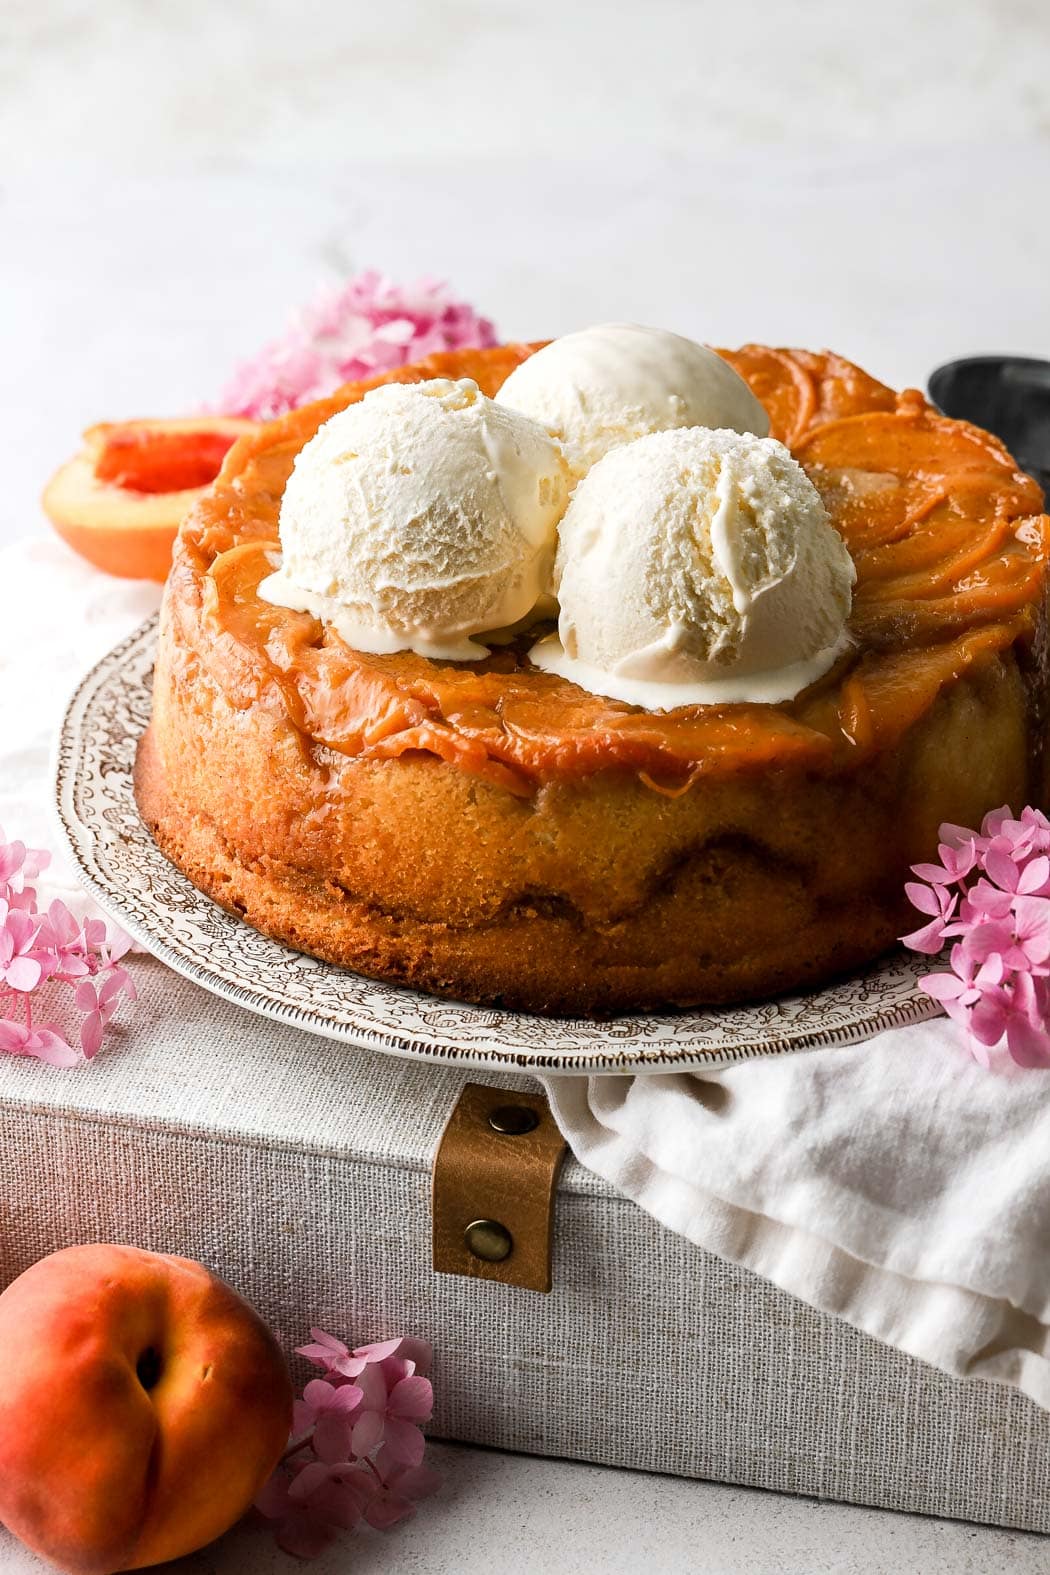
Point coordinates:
[[140, 83], [176, 176]]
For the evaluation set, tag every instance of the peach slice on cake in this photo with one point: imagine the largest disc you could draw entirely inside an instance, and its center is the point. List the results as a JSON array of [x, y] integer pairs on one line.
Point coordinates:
[[120, 501]]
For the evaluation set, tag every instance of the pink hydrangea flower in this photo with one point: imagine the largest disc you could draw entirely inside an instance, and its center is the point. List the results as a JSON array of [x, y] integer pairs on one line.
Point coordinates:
[[400, 1487], [357, 1446], [310, 1502], [330, 1411], [22, 961], [47, 1043], [334, 1357], [391, 1409], [940, 904], [361, 328], [100, 1002], [52, 949], [990, 894], [19, 863], [331, 1355]]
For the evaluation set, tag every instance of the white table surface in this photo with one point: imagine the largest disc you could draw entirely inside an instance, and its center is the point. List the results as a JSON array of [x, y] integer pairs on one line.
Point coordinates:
[[177, 177]]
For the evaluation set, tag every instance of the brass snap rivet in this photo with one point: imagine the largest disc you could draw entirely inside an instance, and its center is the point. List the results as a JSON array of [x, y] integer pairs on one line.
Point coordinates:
[[513, 1120], [488, 1240]]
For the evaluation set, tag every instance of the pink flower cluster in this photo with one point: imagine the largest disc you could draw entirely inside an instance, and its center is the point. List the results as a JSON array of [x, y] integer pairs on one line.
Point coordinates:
[[991, 895], [366, 326], [52, 948], [356, 1451]]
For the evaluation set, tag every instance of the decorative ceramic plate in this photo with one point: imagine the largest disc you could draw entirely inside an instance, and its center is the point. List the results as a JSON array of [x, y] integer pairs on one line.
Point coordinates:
[[132, 880]]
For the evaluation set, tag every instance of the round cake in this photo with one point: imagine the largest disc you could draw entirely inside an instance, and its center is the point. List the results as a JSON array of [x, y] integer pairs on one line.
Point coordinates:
[[492, 832]]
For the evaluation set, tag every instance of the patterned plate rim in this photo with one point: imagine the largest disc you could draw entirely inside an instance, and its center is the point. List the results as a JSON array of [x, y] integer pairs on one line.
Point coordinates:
[[83, 834]]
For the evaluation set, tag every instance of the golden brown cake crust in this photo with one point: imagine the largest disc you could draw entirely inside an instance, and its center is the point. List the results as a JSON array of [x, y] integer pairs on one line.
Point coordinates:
[[582, 857]]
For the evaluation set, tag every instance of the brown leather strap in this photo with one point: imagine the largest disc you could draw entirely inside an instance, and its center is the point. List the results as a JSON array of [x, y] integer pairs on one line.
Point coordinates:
[[493, 1195]]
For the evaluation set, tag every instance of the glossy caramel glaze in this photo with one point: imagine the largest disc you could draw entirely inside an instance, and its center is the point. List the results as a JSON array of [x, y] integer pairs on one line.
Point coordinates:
[[948, 537]]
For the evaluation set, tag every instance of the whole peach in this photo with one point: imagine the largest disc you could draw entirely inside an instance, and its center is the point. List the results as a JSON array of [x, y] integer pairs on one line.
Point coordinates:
[[142, 1405]]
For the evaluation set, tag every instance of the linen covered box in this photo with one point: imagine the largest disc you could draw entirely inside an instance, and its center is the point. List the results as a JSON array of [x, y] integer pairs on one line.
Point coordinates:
[[300, 1170]]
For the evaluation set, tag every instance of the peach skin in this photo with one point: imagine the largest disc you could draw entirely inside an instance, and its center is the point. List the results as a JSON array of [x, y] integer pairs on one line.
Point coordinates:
[[142, 1405]]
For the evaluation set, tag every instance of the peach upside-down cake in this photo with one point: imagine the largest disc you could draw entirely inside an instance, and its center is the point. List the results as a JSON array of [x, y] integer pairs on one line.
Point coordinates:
[[603, 712]]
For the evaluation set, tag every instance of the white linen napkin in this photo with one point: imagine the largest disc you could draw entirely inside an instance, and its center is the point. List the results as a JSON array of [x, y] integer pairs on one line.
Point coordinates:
[[894, 1183]]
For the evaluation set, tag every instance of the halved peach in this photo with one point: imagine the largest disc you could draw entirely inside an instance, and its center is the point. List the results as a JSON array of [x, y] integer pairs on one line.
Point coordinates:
[[120, 501]]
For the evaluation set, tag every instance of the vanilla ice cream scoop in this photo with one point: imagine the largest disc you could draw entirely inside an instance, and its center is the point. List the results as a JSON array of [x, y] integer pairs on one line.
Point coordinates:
[[419, 518], [698, 567], [612, 384]]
